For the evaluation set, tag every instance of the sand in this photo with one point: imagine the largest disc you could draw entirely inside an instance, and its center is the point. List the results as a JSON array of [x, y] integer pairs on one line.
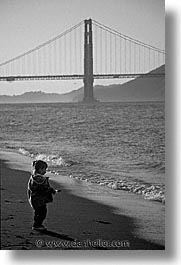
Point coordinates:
[[82, 216]]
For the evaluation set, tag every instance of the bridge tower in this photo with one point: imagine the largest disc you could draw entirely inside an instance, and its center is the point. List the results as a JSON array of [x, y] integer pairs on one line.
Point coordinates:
[[88, 62]]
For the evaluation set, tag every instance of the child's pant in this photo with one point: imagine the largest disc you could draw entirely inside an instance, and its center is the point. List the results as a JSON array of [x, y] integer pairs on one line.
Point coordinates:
[[39, 215]]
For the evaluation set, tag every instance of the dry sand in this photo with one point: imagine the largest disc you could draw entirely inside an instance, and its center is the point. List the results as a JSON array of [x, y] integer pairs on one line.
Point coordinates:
[[82, 216]]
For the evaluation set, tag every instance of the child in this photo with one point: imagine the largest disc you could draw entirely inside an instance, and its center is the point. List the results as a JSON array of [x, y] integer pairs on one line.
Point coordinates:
[[39, 193]]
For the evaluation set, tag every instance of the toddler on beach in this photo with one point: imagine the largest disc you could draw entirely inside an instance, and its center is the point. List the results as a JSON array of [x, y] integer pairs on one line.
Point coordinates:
[[39, 193]]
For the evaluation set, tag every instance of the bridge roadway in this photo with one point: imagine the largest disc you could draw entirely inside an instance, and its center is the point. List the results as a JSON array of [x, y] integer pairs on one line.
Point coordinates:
[[76, 76]]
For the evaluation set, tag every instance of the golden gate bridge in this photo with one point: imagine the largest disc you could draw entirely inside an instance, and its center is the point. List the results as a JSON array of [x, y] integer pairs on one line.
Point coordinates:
[[88, 51]]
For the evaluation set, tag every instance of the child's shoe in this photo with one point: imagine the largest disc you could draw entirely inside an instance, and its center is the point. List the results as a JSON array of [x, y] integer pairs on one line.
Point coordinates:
[[40, 228]]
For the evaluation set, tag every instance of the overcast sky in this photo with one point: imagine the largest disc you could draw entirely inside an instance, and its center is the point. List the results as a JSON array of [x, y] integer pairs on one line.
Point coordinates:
[[24, 24]]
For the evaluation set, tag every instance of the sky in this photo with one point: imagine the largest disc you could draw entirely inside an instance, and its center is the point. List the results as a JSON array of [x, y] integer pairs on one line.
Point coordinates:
[[24, 24]]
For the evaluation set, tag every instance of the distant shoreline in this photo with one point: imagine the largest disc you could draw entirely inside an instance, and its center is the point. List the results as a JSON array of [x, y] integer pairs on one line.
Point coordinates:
[[82, 103]]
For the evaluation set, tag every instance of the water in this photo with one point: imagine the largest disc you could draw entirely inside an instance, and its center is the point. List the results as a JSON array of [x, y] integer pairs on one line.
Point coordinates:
[[119, 145]]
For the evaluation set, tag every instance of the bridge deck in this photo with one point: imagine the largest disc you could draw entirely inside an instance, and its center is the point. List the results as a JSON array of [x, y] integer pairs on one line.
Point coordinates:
[[75, 76]]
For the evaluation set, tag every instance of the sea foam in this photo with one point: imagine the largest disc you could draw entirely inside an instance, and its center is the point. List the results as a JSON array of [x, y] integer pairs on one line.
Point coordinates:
[[146, 190]]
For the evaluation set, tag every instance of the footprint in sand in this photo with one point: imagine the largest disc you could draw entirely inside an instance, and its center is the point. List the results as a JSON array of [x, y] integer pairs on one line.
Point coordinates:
[[9, 218], [20, 237], [24, 248], [102, 222], [16, 201], [7, 201], [20, 201], [28, 242], [86, 233]]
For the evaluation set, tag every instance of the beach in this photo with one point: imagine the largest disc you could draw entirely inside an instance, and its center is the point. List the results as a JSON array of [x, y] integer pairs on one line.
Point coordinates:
[[79, 218]]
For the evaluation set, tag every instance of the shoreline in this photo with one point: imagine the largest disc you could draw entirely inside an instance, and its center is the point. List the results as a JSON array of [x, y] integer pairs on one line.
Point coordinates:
[[76, 215]]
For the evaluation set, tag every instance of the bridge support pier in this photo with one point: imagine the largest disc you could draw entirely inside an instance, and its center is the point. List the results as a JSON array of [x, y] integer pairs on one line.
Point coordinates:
[[88, 63]]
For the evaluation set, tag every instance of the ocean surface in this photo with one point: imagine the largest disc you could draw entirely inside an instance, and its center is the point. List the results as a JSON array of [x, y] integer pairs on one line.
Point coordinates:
[[118, 145]]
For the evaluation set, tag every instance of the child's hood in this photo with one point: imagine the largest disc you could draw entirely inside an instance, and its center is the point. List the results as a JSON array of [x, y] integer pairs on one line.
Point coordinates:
[[39, 179]]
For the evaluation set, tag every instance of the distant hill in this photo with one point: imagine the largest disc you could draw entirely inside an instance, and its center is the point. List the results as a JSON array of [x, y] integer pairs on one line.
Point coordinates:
[[39, 96], [140, 89]]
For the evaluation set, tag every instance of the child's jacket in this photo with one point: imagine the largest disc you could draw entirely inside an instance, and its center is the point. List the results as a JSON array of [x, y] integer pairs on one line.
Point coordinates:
[[39, 191]]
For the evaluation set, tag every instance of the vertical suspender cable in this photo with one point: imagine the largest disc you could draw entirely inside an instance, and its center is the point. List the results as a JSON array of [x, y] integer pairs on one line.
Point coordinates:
[[60, 56], [36, 60], [144, 59], [105, 46], [75, 51], [10, 65], [125, 55], [44, 61], [80, 50], [120, 57], [38, 63], [129, 56], [65, 57], [154, 57], [50, 58], [95, 48], [101, 70], [139, 59], [115, 54], [33, 61], [110, 53], [22, 63], [55, 55], [149, 61], [69, 54], [135, 63], [159, 59]]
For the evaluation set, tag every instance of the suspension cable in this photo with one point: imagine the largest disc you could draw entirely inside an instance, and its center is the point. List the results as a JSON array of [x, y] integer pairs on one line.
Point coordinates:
[[127, 37], [43, 44]]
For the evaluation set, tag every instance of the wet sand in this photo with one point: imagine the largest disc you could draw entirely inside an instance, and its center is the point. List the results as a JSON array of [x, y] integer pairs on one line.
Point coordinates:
[[75, 219]]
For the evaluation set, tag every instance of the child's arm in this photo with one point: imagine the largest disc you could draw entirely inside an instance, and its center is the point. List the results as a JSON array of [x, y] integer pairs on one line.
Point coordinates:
[[58, 191], [53, 191]]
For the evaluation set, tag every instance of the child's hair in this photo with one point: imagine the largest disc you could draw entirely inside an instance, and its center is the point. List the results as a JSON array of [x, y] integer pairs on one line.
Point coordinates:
[[39, 164]]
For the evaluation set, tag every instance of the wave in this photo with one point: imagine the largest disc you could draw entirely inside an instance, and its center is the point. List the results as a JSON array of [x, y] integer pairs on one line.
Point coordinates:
[[52, 160], [147, 190], [24, 152], [158, 166]]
